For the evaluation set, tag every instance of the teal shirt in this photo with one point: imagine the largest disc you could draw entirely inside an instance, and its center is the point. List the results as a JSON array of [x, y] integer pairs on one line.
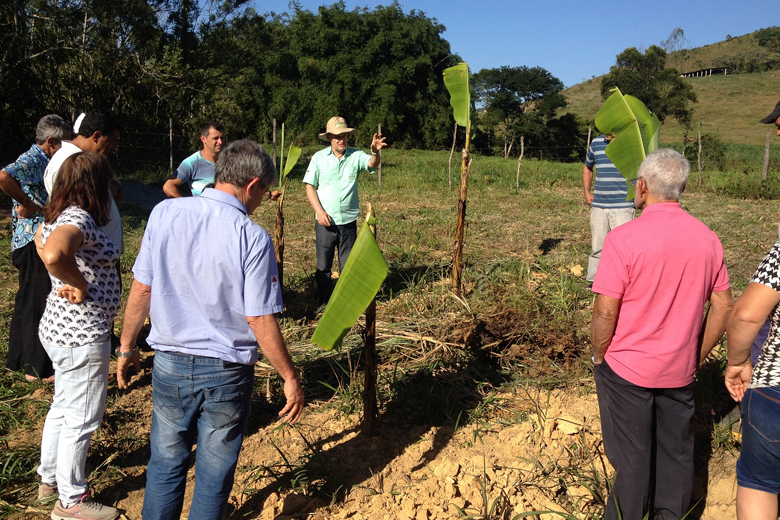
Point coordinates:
[[336, 182]]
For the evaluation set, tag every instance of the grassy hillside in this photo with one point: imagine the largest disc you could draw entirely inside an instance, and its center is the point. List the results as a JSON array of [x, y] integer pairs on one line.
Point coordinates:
[[729, 106]]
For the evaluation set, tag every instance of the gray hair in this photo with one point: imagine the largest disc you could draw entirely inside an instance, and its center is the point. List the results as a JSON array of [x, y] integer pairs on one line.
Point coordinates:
[[666, 173], [244, 160], [52, 126]]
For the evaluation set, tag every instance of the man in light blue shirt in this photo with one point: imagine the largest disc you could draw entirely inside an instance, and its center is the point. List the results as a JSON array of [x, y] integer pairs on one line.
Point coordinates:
[[331, 186], [197, 170], [207, 275]]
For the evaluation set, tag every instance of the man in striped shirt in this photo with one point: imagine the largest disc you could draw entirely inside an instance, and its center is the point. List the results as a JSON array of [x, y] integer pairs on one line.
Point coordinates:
[[608, 205]]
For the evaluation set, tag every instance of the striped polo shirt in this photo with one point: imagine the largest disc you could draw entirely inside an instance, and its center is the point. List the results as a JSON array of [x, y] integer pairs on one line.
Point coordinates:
[[611, 189]]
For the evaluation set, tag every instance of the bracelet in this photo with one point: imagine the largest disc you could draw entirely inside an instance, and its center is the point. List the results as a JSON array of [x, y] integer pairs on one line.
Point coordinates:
[[121, 354], [373, 152]]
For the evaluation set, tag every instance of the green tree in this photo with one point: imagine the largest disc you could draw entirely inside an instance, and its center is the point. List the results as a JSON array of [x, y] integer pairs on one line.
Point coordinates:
[[646, 77], [517, 101]]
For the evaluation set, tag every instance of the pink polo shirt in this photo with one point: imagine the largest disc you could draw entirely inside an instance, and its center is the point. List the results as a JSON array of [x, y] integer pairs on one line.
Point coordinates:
[[663, 266]]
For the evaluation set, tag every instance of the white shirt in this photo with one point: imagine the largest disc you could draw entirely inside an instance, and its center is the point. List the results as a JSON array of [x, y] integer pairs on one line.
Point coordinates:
[[113, 229]]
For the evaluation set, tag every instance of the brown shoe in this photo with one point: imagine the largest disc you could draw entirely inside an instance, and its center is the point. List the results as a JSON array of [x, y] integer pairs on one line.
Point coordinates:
[[84, 509]]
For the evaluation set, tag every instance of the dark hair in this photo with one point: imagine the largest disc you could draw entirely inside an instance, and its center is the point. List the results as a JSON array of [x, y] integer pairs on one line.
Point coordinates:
[[205, 127], [83, 181], [241, 161], [99, 120]]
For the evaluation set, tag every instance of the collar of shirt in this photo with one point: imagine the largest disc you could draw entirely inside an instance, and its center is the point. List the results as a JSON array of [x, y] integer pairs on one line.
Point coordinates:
[[663, 207], [224, 198]]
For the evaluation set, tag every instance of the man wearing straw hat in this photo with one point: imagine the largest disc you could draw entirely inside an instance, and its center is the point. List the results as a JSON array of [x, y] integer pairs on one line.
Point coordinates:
[[331, 186]]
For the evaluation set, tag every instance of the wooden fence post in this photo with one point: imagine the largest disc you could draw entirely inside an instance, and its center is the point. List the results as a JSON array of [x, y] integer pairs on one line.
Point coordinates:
[[370, 409], [587, 147], [520, 160], [379, 169], [274, 140], [766, 158], [170, 142], [699, 156]]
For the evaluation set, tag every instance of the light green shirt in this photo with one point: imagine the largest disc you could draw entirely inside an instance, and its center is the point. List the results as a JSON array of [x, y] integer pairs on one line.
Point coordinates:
[[336, 182]]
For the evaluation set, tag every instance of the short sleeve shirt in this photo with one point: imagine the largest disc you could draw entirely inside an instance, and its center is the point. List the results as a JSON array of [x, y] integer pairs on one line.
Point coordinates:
[[336, 182], [209, 267], [197, 172], [28, 170], [767, 370], [66, 324], [113, 229], [611, 189], [663, 266]]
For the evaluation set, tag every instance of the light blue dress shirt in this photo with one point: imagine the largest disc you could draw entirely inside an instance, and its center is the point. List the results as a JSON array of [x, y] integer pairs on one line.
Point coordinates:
[[209, 267]]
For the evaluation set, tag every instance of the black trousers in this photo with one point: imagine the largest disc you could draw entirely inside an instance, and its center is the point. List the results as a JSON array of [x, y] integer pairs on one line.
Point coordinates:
[[648, 439], [328, 238], [25, 351]]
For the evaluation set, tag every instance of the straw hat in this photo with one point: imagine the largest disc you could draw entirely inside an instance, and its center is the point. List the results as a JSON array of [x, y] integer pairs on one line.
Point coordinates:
[[336, 125]]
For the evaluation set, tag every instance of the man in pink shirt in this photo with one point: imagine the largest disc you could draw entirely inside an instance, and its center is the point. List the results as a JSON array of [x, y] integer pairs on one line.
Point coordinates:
[[655, 276]]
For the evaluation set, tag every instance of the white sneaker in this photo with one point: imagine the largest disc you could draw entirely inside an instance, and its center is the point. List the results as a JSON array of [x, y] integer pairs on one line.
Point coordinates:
[[85, 509]]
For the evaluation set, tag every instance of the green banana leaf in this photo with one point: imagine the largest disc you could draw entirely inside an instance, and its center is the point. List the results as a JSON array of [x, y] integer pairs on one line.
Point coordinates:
[[363, 275], [636, 132], [292, 158], [456, 79]]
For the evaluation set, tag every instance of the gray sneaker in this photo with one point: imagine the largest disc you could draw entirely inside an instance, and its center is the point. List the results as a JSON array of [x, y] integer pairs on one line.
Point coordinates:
[[47, 492], [85, 509]]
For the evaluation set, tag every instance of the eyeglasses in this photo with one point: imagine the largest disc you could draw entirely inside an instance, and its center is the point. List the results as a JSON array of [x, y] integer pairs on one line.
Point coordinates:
[[633, 182]]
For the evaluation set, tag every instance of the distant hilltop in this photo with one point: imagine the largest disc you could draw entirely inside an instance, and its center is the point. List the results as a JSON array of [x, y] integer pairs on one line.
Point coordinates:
[[729, 105]]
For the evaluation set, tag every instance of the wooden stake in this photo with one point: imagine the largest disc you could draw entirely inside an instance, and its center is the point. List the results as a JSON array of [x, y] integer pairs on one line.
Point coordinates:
[[279, 235], [519, 161], [170, 141], [370, 409], [379, 169], [457, 256], [699, 157], [587, 147], [274, 140], [766, 158]]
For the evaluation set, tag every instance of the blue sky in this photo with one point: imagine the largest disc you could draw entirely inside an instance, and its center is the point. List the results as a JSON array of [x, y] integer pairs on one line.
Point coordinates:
[[574, 40]]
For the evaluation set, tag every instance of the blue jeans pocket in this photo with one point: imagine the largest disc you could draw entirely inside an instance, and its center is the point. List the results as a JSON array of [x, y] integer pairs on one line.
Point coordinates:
[[224, 406], [166, 401], [763, 413]]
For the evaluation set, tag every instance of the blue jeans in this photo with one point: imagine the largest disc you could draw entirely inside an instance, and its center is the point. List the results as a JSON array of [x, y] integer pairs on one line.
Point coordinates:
[[758, 466], [80, 384], [328, 238], [203, 400]]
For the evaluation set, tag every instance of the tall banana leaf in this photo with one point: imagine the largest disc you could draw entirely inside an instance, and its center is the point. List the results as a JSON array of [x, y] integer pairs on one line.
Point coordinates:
[[636, 132], [456, 79], [357, 286]]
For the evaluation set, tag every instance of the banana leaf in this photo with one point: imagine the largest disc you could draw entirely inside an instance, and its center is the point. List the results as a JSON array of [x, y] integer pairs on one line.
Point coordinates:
[[292, 158], [636, 132], [456, 79], [363, 275]]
